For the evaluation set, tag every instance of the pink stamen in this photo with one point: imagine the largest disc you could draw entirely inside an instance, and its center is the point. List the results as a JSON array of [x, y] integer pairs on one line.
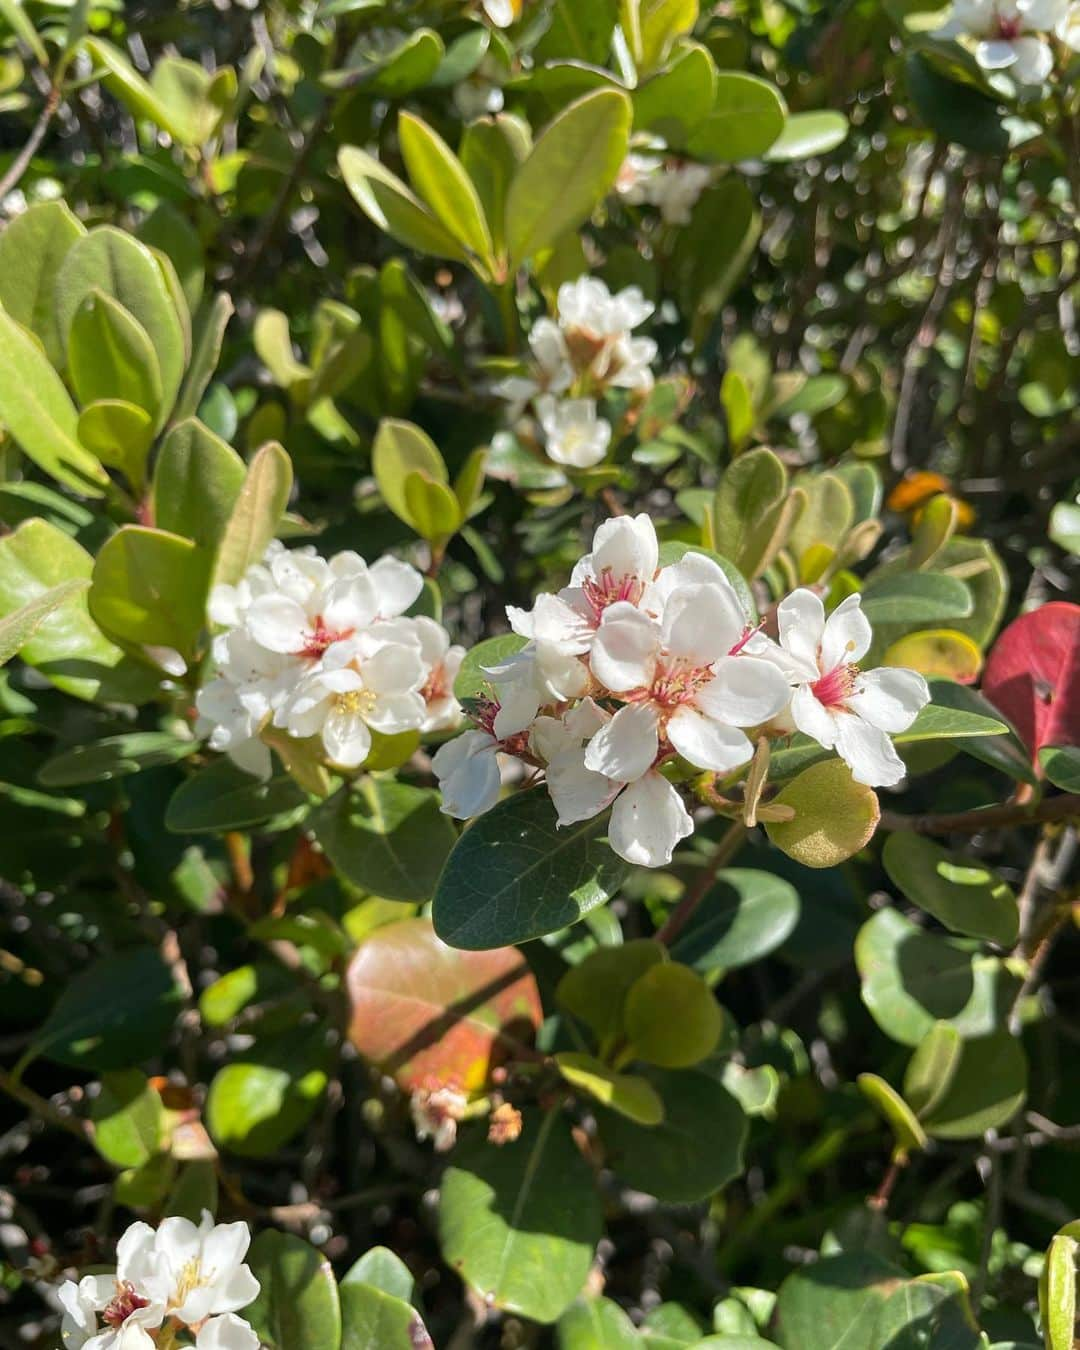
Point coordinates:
[[320, 638], [748, 632], [834, 689], [604, 590], [1009, 28], [124, 1303]]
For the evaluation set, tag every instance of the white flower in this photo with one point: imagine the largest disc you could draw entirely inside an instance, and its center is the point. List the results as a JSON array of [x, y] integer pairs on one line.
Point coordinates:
[[442, 662], [499, 12], [673, 188], [436, 1115], [574, 434], [227, 1332], [841, 707], [198, 1270], [540, 674], [1067, 27], [123, 1301], [468, 772], [552, 371], [587, 304], [370, 684], [1008, 34]]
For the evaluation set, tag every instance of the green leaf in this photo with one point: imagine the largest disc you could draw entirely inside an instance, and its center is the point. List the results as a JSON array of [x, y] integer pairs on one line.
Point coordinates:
[[834, 816], [938, 721], [195, 1190], [513, 875], [963, 896], [110, 355], [596, 1324], [582, 151], [273, 346], [747, 509], [372, 1319], [834, 1304], [388, 838], [986, 1089], [223, 797], [746, 118], [259, 1101], [930, 1070], [123, 80], [255, 517], [807, 134], [738, 409], [298, 1306], [491, 150], [595, 989], [400, 451], [120, 434], [386, 200], [38, 411], [18, 627], [433, 509], [957, 112], [114, 757], [471, 681], [109, 260], [520, 1223], [746, 915], [146, 589], [712, 252], [912, 979], [209, 333], [380, 1268], [70, 650], [410, 65], [22, 26], [668, 1160], [438, 177], [916, 598], [580, 32], [117, 1012], [1061, 765], [129, 1119], [1057, 1292], [196, 98], [826, 517], [32, 247], [198, 479], [660, 22], [896, 1113], [629, 1094], [166, 230], [671, 1017], [675, 100]]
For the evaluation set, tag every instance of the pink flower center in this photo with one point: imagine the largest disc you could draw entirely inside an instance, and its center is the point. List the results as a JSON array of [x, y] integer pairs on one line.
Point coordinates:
[[606, 590], [319, 638], [748, 632], [675, 682], [1009, 27], [123, 1304], [436, 687], [834, 689]]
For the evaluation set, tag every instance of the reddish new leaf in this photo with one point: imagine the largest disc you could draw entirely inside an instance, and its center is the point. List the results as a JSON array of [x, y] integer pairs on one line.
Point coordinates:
[[432, 1015], [1033, 675]]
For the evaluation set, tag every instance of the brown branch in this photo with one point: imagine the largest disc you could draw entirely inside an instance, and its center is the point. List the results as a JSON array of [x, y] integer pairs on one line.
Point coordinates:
[[21, 162], [1066, 806], [42, 1107]]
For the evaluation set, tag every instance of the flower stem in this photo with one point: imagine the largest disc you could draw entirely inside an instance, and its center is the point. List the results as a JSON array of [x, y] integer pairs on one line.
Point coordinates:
[[683, 912]]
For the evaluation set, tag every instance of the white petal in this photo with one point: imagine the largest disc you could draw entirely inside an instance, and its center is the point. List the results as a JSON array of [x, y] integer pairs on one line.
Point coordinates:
[[559, 674], [398, 585], [625, 747], [235, 1291], [647, 821], [394, 669], [847, 635], [225, 1246], [702, 623], [350, 603], [800, 617], [227, 1332], [578, 793], [708, 744], [995, 54], [346, 737], [252, 757], [434, 639], [1034, 60], [278, 623], [745, 691], [868, 752], [890, 698], [813, 718], [394, 713], [136, 1247], [468, 774], [558, 623], [625, 648], [626, 546], [692, 569], [519, 702]]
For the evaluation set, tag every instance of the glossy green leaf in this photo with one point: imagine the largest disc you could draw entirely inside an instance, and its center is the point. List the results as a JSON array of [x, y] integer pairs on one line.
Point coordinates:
[[38, 411], [807, 134], [595, 989], [963, 896], [986, 1089], [18, 627], [114, 757], [894, 1110], [146, 588], [32, 247], [223, 797], [380, 1268], [433, 509], [208, 334], [261, 1099], [120, 434], [298, 1306], [438, 177], [746, 915], [197, 482], [255, 517], [110, 355], [916, 598], [386, 200], [596, 1324], [491, 150], [1057, 1292], [668, 1160], [746, 118], [1061, 766], [930, 1070], [520, 1222], [582, 151], [388, 838], [371, 1318], [471, 681], [513, 875], [678, 98], [671, 1017], [128, 1118], [834, 1304]]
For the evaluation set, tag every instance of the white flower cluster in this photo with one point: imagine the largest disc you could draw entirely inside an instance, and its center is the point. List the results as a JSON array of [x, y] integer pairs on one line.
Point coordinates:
[[632, 665], [180, 1277], [585, 350], [673, 187], [321, 647], [1014, 35]]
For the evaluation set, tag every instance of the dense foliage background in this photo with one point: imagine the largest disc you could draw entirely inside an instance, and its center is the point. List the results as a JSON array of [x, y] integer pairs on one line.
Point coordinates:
[[272, 270]]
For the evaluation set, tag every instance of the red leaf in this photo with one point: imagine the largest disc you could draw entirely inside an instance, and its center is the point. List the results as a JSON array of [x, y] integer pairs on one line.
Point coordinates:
[[1033, 675], [435, 1016]]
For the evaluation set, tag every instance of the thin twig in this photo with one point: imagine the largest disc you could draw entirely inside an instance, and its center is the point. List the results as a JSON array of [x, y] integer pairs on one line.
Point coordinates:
[[42, 1107], [21, 162], [1063, 807]]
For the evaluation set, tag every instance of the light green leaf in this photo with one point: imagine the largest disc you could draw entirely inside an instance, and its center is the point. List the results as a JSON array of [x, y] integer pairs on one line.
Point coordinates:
[[197, 482], [986, 1088], [18, 627], [273, 346], [147, 588], [298, 1306], [438, 177], [401, 450], [386, 200], [120, 434], [208, 335], [111, 357], [671, 1018], [491, 150], [128, 1118], [433, 509], [931, 1068], [39, 413], [834, 1304], [807, 134], [597, 1324], [629, 1094], [259, 1101], [595, 989], [520, 1223], [114, 757], [916, 598], [834, 816], [896, 1113], [255, 517], [746, 118], [581, 151], [372, 1319], [32, 247], [678, 98]]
